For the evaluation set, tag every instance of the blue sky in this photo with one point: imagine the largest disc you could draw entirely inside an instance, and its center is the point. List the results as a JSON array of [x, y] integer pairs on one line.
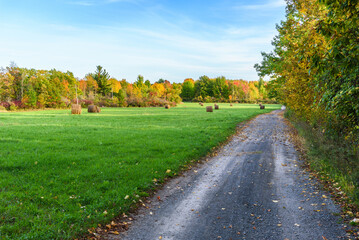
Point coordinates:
[[169, 39]]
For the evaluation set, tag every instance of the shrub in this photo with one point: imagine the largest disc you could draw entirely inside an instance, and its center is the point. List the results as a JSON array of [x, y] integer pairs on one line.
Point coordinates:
[[12, 107], [5, 105], [84, 102]]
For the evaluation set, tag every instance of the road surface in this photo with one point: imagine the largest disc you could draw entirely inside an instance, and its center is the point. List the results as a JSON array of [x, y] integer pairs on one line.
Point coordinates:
[[253, 189]]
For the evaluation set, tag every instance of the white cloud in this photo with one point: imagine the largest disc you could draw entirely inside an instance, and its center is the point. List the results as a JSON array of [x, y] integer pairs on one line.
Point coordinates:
[[82, 3], [167, 48], [97, 2], [127, 52], [269, 5]]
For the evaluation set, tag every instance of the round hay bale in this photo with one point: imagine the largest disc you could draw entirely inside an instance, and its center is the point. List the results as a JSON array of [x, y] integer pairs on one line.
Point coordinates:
[[209, 109], [262, 107], [231, 105], [167, 106], [202, 104], [93, 109], [216, 106], [76, 109]]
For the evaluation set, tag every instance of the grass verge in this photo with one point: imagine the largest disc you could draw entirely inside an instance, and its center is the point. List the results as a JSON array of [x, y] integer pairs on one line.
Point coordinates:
[[62, 174], [334, 162]]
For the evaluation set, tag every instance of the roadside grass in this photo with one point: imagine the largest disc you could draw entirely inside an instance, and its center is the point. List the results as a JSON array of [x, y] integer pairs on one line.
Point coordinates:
[[61, 174], [333, 160]]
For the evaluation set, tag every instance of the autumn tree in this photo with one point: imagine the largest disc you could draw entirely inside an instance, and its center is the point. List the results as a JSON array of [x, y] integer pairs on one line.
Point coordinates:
[[314, 64]]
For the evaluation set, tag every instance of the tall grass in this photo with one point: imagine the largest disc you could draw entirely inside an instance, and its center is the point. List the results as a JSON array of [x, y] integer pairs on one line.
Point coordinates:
[[331, 157], [61, 174]]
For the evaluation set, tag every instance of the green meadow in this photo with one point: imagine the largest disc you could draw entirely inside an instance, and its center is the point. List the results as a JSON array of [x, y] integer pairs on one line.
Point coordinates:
[[61, 174]]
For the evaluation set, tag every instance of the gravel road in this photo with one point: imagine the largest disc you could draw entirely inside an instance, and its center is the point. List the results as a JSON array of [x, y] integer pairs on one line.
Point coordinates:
[[253, 189]]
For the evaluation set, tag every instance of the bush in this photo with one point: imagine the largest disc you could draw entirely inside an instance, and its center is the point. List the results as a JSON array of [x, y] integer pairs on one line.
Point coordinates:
[[12, 107], [84, 102], [2, 108], [6, 105], [106, 102]]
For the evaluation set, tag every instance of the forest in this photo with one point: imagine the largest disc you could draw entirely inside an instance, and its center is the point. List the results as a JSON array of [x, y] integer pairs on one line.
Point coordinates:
[[22, 88]]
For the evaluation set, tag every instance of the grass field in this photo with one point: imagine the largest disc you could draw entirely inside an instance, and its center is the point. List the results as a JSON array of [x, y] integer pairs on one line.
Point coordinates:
[[61, 174]]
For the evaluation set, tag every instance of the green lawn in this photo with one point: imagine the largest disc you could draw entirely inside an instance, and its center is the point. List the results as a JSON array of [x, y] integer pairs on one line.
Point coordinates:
[[61, 174]]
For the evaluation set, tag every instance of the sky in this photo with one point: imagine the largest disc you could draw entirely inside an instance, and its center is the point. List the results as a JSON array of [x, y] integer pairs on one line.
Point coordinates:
[[168, 39]]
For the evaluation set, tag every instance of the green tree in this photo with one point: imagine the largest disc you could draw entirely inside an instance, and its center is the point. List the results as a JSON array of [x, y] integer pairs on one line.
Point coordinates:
[[101, 76], [161, 80], [220, 89], [139, 82], [188, 90], [204, 87]]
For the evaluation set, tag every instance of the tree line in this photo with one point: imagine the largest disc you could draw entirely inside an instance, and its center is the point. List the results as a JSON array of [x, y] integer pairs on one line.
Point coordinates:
[[22, 88], [314, 65]]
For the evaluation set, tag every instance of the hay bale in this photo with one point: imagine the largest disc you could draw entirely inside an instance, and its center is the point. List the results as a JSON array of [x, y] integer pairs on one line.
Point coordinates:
[[231, 105], [167, 106], [93, 109], [262, 107], [76, 109], [216, 106], [202, 104], [209, 109]]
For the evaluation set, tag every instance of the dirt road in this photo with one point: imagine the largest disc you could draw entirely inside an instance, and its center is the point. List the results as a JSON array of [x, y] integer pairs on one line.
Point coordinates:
[[253, 189]]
